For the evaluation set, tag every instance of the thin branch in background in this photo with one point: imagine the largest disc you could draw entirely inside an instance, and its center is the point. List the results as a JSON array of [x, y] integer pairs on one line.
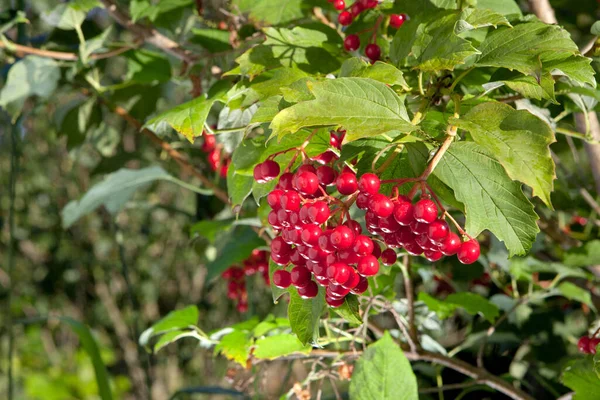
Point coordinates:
[[21, 50], [410, 298]]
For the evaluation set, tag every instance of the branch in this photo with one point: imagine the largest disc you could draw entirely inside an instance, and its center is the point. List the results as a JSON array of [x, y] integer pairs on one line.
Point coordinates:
[[543, 10], [410, 298], [59, 55], [149, 34]]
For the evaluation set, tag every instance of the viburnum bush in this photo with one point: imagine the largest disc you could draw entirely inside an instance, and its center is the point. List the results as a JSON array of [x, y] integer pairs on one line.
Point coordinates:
[[415, 180]]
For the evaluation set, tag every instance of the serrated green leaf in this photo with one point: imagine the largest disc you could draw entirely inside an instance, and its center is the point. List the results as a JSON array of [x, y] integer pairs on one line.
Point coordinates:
[[239, 187], [504, 7], [177, 319], [65, 16], [519, 140], [146, 67], [383, 373], [349, 310], [475, 18], [234, 248], [210, 228], [492, 200], [472, 303], [235, 346], [531, 48], [213, 40], [304, 315], [276, 12], [527, 85], [271, 82], [272, 347], [380, 71], [595, 29], [171, 337], [581, 378], [267, 110], [187, 119], [146, 9], [364, 108], [574, 292]]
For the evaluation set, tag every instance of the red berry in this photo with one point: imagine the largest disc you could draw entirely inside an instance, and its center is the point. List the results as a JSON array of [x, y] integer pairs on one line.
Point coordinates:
[[309, 291], [468, 252], [376, 250], [594, 342], [369, 183], [352, 280], [373, 52], [242, 307], [450, 244], [345, 18], [363, 246], [361, 287], [326, 175], [352, 42], [381, 205], [438, 230], [413, 248], [389, 224], [432, 255], [362, 201], [274, 220], [354, 225], [388, 257], [346, 183], [310, 234], [404, 212], [282, 279], [274, 198], [286, 181], [210, 141], [338, 273], [356, 9], [325, 158], [342, 237], [396, 20], [336, 291], [583, 344], [258, 175], [290, 201], [325, 242], [300, 276], [318, 212], [334, 303], [269, 170], [306, 182], [280, 247], [296, 258], [425, 211], [368, 266], [339, 4]]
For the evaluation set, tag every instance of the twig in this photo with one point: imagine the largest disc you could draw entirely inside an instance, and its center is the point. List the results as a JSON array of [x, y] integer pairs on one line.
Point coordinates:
[[60, 55], [449, 387], [410, 298], [149, 34]]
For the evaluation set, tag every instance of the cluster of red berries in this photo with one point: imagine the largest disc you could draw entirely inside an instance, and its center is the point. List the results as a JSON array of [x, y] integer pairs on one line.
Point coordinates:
[[216, 160], [236, 277], [349, 14], [316, 236], [587, 345]]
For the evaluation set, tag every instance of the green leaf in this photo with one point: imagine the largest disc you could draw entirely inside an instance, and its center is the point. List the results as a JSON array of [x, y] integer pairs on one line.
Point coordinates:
[[275, 291], [504, 7], [271, 82], [429, 41], [272, 347], [234, 248], [475, 18], [528, 47], [581, 378], [115, 191], [349, 310], [210, 228], [91, 348], [518, 139], [146, 9], [65, 16], [31, 76], [492, 200], [589, 254], [239, 187], [173, 336], [276, 12], [380, 71], [187, 119], [213, 40], [524, 268], [574, 292], [304, 315], [472, 303], [364, 108], [174, 321], [147, 67], [235, 346], [383, 373], [527, 85], [595, 29]]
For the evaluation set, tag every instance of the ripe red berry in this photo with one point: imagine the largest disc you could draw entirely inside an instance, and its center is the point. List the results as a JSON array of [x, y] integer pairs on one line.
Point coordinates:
[[438, 230], [334, 303], [369, 183], [326, 175], [309, 291], [325, 242], [583, 344], [318, 212], [282, 279], [269, 170], [310, 234], [413, 248], [306, 182], [388, 257], [290, 201], [280, 247], [363, 245], [432, 255], [362, 201], [273, 198], [286, 181], [403, 212], [300, 276], [368, 266], [389, 224], [356, 9], [354, 225], [257, 174], [352, 280], [425, 211], [468, 252], [396, 20], [373, 52], [594, 342], [346, 183], [345, 18], [450, 244], [381, 205], [339, 4], [338, 273], [210, 142], [242, 307], [352, 42], [342, 237]]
